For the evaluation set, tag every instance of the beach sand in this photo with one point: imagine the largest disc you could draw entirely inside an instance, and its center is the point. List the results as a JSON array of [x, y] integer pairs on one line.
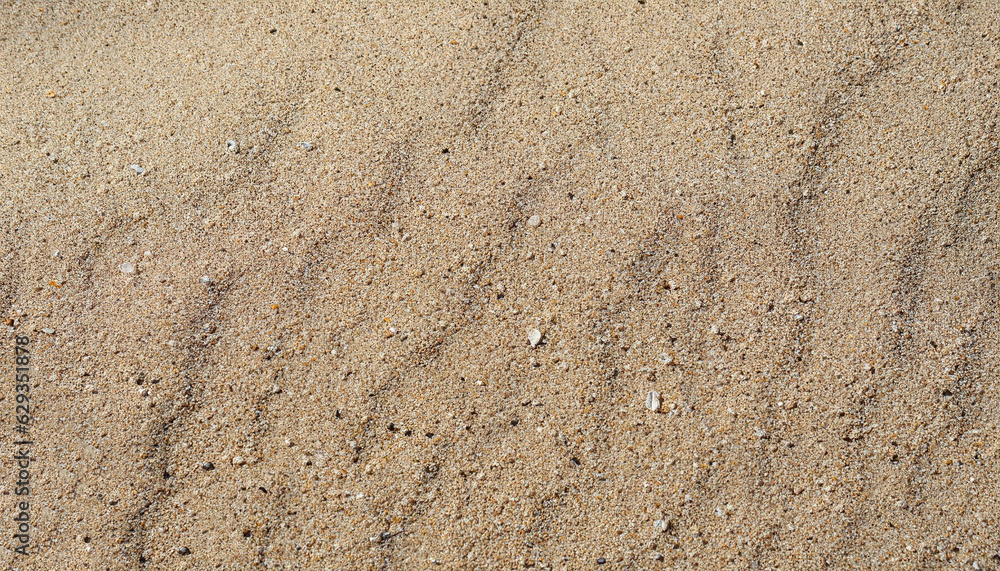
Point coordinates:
[[278, 266]]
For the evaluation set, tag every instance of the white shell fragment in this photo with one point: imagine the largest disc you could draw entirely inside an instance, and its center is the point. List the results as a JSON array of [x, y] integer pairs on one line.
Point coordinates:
[[232, 146], [665, 358], [306, 146], [534, 221], [138, 170], [127, 268], [534, 336], [653, 401]]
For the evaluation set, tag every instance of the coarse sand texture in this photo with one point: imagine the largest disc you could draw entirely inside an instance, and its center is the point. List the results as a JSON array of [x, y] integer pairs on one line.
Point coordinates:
[[494, 285]]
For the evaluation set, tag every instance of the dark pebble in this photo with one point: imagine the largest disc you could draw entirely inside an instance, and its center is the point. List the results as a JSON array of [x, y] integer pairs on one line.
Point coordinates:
[[601, 561]]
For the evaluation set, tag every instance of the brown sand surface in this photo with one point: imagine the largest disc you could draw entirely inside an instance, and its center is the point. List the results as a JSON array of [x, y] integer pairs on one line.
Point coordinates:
[[781, 216]]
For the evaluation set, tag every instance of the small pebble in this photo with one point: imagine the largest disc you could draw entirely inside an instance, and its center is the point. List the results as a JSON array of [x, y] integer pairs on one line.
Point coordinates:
[[207, 466], [306, 146], [534, 221], [714, 330], [380, 537], [662, 525], [205, 280], [183, 551], [601, 561], [534, 336], [239, 461], [232, 146], [48, 331], [127, 268], [665, 358], [653, 401], [138, 170]]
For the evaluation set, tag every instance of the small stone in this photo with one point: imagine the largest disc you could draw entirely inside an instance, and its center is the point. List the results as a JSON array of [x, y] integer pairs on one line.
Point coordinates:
[[232, 146], [207, 466], [183, 551], [306, 146], [665, 358], [601, 561], [205, 280], [534, 337], [534, 221], [147, 254], [662, 525], [239, 461], [653, 401], [714, 329], [138, 170], [127, 268], [760, 432], [48, 331]]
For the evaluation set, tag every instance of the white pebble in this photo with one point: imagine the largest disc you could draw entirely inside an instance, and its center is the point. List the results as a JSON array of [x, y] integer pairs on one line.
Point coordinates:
[[205, 280], [232, 146], [48, 331], [138, 170], [238, 461], [534, 336], [714, 330], [662, 525], [534, 221], [665, 358], [653, 401], [127, 268], [306, 146]]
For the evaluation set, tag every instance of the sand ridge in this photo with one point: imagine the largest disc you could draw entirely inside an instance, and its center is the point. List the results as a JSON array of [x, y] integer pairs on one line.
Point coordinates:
[[345, 223]]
